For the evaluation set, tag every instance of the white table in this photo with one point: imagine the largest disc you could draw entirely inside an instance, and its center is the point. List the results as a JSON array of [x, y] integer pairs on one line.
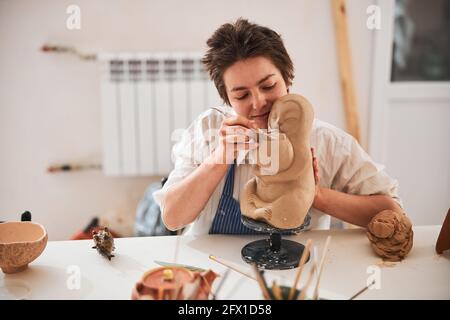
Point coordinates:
[[423, 275]]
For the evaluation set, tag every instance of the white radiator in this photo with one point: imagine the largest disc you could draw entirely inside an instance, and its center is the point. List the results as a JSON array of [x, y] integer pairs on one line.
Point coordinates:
[[145, 99]]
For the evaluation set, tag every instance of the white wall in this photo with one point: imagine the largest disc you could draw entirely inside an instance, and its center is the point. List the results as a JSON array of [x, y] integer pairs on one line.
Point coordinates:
[[49, 104], [418, 151]]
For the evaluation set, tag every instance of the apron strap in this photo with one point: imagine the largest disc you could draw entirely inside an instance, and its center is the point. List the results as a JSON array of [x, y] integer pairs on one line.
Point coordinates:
[[229, 181]]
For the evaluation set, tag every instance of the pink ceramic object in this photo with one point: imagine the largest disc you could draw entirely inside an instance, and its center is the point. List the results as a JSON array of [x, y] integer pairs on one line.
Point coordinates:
[[155, 286], [20, 244]]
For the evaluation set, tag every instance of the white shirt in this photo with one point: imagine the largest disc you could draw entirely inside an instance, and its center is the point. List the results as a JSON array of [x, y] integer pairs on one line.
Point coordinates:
[[343, 166]]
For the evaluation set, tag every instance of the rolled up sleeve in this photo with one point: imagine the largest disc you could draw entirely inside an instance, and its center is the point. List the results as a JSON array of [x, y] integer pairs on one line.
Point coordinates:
[[189, 152], [356, 173], [184, 164]]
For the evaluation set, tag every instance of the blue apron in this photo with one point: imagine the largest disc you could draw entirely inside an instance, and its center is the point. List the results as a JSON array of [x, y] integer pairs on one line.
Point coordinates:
[[228, 216]]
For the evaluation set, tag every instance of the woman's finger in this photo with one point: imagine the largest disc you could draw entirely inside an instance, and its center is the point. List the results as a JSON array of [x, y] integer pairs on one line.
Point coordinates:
[[238, 139], [237, 130], [240, 120]]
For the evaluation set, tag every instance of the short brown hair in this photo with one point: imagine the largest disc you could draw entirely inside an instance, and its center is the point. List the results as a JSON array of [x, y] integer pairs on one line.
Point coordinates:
[[241, 40]]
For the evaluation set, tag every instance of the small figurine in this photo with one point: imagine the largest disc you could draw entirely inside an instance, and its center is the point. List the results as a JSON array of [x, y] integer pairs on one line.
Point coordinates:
[[104, 242]]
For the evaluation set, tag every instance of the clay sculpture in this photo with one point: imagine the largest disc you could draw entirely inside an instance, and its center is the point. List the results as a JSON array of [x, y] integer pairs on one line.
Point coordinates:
[[443, 242], [391, 235], [104, 242], [283, 197]]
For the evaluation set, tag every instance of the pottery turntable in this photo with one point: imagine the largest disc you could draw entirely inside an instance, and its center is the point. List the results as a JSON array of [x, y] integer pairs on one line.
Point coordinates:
[[274, 253]]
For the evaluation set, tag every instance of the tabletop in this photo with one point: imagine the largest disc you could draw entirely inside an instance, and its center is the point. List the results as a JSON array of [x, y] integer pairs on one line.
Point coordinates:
[[73, 270]]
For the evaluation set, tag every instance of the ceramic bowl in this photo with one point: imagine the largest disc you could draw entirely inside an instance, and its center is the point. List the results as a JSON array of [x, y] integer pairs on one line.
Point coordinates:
[[20, 244]]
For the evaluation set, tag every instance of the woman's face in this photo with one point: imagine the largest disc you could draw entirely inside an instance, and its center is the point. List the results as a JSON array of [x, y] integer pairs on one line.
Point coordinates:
[[252, 87]]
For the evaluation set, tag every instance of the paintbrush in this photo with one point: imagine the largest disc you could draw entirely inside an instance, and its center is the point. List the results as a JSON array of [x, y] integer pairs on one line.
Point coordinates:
[[262, 283], [277, 291], [308, 282], [303, 259], [310, 278], [322, 261], [362, 290], [214, 258], [261, 272]]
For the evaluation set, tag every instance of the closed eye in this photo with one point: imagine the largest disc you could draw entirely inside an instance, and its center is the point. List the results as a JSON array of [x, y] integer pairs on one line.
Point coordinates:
[[242, 97], [267, 88]]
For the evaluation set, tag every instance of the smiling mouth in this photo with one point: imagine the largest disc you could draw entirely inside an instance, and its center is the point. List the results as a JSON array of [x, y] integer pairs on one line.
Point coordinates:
[[261, 115]]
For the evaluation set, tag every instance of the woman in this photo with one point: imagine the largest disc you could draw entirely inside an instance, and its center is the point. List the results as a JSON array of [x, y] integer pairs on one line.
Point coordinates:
[[251, 69]]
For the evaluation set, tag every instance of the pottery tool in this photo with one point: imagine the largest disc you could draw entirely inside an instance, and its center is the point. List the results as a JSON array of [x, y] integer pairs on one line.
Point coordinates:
[[243, 154], [178, 265], [261, 282], [305, 256], [226, 114], [308, 282], [261, 272], [214, 258], [322, 261], [65, 49], [72, 167], [263, 132], [276, 290], [362, 290], [311, 276]]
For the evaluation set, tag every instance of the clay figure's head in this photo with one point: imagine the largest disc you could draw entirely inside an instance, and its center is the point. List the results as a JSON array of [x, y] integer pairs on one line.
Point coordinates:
[[288, 113]]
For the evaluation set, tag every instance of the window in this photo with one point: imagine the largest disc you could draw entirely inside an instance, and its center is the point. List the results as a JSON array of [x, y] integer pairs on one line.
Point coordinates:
[[421, 48]]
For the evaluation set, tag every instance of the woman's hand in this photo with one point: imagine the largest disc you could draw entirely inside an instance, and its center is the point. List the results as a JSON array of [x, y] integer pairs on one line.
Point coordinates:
[[235, 134], [316, 175]]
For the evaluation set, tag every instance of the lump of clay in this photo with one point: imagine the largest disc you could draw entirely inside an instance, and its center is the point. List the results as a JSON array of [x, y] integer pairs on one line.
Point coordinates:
[[283, 197], [390, 234]]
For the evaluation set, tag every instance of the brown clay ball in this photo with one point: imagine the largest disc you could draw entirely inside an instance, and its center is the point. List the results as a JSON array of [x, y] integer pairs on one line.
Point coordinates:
[[391, 235]]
